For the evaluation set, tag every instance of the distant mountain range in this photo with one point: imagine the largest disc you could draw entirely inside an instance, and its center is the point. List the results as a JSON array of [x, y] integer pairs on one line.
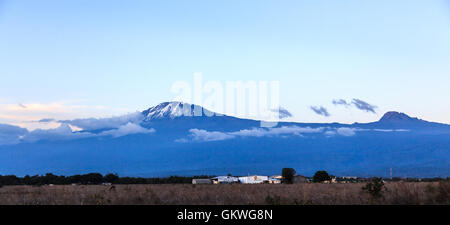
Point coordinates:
[[173, 138]]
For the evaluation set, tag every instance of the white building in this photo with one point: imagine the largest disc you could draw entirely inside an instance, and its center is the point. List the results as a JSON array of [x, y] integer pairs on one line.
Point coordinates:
[[254, 179], [224, 180], [274, 181]]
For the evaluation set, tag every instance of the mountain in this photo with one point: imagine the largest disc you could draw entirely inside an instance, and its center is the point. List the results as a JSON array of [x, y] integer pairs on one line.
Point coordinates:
[[171, 110], [175, 138], [400, 120], [395, 117]]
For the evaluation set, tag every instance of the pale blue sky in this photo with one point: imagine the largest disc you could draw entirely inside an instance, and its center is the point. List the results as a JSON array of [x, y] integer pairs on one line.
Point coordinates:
[[102, 58]]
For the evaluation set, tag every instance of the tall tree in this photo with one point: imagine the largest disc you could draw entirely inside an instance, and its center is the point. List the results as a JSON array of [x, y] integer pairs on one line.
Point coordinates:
[[288, 175], [321, 176]]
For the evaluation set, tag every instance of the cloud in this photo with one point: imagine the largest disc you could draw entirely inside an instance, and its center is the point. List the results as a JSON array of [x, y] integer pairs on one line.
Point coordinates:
[[384, 130], [345, 131], [203, 135], [39, 107], [330, 133], [106, 123], [284, 131], [127, 129], [282, 112], [63, 132], [46, 120], [293, 130], [359, 104], [27, 114], [340, 102], [364, 106], [10, 134], [402, 130], [320, 110]]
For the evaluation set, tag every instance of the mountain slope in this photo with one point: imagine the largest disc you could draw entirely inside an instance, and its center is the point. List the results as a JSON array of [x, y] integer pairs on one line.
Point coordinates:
[[219, 144]]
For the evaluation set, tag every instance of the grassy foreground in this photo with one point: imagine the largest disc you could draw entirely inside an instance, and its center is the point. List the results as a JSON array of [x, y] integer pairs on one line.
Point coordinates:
[[226, 194]]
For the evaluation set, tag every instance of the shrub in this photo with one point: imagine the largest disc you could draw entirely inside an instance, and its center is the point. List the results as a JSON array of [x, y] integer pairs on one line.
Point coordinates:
[[375, 187]]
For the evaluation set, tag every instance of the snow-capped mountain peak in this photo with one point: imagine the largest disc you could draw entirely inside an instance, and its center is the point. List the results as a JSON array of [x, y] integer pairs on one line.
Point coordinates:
[[170, 110]]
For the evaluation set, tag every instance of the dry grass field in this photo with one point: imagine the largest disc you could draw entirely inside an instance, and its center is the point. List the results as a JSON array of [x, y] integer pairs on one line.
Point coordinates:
[[225, 194]]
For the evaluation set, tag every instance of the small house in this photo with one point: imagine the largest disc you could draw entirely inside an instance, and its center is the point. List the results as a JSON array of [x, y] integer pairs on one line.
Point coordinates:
[[273, 181], [297, 179]]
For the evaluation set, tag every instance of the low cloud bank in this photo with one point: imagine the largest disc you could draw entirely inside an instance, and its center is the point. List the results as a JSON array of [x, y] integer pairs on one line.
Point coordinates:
[[127, 129], [10, 134], [199, 135], [106, 123], [14, 135]]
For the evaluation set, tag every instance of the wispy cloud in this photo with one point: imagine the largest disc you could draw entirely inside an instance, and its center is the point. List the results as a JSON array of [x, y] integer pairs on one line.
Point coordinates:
[[320, 110], [46, 120], [364, 106], [282, 112], [358, 103], [340, 102]]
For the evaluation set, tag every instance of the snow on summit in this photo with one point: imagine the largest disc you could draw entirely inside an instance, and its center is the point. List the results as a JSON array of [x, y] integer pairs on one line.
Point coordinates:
[[175, 109]]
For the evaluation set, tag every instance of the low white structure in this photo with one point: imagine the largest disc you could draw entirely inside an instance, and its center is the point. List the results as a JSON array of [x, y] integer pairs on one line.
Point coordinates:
[[254, 179], [274, 181], [224, 180]]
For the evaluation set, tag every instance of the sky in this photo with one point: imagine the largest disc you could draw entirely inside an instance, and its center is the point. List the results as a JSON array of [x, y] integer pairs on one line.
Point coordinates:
[[78, 59]]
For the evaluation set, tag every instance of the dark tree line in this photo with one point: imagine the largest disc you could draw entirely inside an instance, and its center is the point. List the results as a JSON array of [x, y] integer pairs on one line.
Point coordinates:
[[91, 178]]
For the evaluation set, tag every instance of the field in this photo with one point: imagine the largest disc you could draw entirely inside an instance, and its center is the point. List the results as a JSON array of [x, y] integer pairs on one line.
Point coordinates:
[[225, 194]]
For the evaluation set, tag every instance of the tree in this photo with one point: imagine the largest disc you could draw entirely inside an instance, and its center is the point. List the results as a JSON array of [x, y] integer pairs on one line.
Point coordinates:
[[288, 175], [111, 178], [321, 176]]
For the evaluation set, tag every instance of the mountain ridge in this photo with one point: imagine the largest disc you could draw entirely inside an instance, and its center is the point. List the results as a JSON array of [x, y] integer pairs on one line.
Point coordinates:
[[160, 141]]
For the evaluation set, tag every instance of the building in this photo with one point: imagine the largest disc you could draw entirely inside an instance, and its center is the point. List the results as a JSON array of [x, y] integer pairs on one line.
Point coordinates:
[[332, 181], [201, 181], [274, 181], [224, 180], [297, 179], [254, 179]]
